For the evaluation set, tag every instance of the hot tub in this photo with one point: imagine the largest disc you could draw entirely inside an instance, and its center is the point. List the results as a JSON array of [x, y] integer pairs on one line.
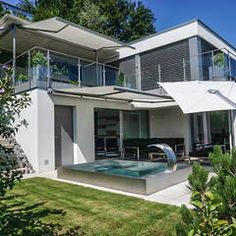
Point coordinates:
[[131, 176]]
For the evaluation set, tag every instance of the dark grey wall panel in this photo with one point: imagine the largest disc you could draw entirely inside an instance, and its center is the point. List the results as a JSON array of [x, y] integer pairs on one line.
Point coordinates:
[[170, 59]]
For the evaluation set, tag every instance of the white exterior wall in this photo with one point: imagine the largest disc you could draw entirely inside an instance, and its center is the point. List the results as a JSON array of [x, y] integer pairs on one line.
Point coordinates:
[[186, 31], [161, 39], [45, 137], [37, 139], [27, 136], [84, 143], [170, 123]]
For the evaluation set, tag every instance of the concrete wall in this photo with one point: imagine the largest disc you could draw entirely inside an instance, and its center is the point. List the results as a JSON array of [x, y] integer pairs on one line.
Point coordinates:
[[170, 123]]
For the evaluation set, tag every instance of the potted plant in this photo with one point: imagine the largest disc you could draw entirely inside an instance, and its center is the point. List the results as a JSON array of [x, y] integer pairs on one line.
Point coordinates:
[[120, 81], [217, 70], [38, 62]]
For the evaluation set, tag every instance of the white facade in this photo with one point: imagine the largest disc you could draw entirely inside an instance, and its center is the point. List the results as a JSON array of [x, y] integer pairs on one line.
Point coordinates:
[[38, 138], [175, 34]]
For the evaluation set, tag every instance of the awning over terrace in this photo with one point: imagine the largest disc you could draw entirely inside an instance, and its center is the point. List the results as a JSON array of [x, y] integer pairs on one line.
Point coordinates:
[[202, 96], [118, 94], [57, 34]]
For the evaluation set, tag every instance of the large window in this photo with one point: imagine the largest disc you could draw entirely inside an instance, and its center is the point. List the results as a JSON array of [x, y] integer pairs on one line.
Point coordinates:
[[136, 124], [214, 131], [197, 129], [219, 127], [112, 126]]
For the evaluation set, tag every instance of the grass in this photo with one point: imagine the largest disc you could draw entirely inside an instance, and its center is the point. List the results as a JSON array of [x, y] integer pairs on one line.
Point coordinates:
[[40, 206]]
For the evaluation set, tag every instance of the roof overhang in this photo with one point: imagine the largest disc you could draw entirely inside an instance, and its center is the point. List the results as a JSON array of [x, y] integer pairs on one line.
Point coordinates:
[[115, 93], [175, 34]]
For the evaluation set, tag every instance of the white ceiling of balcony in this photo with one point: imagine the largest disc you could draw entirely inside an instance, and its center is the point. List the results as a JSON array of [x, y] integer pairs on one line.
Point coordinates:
[[59, 35]]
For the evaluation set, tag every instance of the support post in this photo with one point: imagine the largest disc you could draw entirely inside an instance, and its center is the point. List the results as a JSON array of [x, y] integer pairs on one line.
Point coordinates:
[[159, 72], [213, 65], [138, 75], [79, 70], [121, 116], [14, 54], [184, 69], [49, 84], [103, 75], [231, 129], [205, 128], [97, 72], [230, 68], [29, 69]]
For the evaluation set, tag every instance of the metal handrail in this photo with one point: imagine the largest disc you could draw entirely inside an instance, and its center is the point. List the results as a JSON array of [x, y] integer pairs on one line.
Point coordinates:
[[60, 53]]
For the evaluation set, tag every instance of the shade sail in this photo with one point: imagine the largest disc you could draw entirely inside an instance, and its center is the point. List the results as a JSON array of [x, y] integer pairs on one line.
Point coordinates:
[[114, 93], [202, 96]]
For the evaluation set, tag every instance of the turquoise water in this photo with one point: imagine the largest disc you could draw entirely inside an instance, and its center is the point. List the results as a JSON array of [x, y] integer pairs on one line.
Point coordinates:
[[124, 168]]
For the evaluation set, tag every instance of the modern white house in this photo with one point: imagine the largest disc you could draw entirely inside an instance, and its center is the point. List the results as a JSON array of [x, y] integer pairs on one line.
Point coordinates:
[[93, 96]]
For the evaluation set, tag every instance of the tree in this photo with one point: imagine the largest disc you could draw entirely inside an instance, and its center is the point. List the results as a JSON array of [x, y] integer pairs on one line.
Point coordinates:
[[1, 10], [125, 20], [27, 6], [213, 199], [11, 106]]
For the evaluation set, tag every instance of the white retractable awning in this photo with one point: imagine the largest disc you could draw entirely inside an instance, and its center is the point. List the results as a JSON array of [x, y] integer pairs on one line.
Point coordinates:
[[202, 96], [59, 35], [115, 93], [73, 33]]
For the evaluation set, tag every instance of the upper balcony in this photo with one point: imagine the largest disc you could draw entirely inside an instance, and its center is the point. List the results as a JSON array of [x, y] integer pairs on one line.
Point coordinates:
[[43, 68], [218, 65]]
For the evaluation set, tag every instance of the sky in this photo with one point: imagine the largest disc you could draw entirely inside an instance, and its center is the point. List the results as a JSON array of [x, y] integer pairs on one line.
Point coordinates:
[[219, 15]]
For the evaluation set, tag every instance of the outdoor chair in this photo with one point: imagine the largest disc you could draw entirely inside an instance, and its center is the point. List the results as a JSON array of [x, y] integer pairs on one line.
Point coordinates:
[[99, 147], [112, 147]]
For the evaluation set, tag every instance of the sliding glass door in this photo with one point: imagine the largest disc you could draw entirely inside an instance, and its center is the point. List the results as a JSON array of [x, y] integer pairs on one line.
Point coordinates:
[[113, 126], [213, 129], [136, 124]]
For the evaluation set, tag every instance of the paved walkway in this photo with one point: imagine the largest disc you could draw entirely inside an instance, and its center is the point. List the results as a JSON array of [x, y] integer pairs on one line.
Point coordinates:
[[175, 195]]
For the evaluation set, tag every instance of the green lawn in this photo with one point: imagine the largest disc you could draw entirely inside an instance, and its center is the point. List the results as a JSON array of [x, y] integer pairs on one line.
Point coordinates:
[[41, 206]]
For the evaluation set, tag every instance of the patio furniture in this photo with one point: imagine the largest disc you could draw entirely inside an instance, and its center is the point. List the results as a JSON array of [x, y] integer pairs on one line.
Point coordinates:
[[112, 147], [99, 147], [201, 152], [138, 147]]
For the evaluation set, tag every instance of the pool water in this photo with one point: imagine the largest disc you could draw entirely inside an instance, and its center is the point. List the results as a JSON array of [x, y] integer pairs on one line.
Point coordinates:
[[125, 168]]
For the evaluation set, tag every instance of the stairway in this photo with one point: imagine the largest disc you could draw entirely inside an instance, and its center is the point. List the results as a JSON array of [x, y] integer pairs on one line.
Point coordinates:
[[18, 154]]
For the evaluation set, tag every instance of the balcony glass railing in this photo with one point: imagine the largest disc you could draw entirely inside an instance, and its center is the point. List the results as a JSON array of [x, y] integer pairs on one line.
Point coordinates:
[[45, 68], [41, 67], [216, 65]]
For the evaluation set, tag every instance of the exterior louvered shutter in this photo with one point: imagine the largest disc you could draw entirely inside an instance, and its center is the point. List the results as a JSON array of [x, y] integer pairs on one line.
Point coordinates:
[[170, 61]]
